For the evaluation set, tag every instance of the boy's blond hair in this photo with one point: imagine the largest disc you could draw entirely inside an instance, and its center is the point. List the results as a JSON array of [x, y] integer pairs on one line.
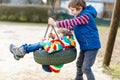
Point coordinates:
[[77, 3], [65, 32]]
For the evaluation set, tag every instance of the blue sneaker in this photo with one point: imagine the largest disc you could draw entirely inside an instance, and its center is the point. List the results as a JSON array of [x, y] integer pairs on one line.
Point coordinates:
[[17, 52]]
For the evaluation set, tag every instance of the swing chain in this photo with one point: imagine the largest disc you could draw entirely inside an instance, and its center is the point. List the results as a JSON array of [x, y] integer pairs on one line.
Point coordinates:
[[54, 17], [51, 30]]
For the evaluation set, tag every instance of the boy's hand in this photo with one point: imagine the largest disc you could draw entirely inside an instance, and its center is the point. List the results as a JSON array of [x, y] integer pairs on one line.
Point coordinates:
[[51, 35], [51, 21]]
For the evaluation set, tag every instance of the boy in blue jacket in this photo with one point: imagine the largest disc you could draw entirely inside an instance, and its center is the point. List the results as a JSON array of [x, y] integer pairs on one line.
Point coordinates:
[[86, 33]]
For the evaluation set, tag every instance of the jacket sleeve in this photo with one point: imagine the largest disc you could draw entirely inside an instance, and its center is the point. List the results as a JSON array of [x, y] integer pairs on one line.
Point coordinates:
[[68, 41], [69, 23], [72, 40], [53, 46]]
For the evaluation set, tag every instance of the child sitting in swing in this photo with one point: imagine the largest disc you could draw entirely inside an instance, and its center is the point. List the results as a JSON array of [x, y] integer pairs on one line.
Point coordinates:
[[66, 41]]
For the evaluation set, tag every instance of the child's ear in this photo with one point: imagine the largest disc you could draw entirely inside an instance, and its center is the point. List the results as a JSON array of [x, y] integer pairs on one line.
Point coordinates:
[[80, 8]]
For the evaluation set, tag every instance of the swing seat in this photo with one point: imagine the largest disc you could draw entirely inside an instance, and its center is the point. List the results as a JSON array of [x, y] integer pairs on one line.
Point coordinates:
[[60, 57]]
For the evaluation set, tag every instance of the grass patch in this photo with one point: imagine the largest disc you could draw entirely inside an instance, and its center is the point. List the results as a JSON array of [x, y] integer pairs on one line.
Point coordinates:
[[113, 70], [103, 28]]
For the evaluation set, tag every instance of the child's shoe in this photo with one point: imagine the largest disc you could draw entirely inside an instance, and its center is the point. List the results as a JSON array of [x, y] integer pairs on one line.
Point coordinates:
[[46, 68], [17, 52]]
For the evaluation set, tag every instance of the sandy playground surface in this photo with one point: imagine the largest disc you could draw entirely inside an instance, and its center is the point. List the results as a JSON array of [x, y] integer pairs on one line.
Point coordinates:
[[27, 68]]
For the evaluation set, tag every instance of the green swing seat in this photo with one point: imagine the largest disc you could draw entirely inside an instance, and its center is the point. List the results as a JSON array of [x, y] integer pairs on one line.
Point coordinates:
[[60, 57]]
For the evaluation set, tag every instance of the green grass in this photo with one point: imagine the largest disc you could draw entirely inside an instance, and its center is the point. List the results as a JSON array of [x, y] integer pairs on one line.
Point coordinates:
[[115, 70]]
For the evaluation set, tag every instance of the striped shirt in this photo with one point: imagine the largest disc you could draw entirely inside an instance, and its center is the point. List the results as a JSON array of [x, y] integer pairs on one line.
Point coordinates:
[[69, 23]]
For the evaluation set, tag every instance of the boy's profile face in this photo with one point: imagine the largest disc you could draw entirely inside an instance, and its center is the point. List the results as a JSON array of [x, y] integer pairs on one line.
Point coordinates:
[[74, 11]]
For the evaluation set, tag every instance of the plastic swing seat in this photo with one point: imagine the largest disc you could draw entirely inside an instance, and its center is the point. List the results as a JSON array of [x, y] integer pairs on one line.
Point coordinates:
[[59, 57]]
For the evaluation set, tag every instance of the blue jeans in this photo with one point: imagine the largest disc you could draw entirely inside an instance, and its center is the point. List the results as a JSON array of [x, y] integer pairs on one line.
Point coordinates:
[[84, 63], [31, 47]]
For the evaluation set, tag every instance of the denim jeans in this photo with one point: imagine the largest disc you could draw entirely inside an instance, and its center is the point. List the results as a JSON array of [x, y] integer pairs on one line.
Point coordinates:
[[31, 47], [84, 63]]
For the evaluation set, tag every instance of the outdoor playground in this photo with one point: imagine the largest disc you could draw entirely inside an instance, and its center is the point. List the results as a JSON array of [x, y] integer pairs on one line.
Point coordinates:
[[27, 68]]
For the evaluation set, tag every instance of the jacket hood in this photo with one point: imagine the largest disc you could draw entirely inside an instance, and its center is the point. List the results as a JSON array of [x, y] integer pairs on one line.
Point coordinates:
[[90, 10]]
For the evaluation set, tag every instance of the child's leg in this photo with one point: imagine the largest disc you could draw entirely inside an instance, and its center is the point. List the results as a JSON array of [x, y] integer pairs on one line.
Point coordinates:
[[79, 74], [19, 52], [89, 59], [31, 47]]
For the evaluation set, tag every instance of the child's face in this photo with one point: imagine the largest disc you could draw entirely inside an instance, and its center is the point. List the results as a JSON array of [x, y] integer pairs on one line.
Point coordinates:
[[74, 11]]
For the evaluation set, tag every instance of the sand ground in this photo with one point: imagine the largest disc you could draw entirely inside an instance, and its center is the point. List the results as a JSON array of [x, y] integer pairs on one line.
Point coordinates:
[[27, 68]]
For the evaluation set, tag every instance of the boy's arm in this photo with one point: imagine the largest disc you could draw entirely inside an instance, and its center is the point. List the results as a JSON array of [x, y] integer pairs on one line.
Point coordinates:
[[69, 23], [84, 19]]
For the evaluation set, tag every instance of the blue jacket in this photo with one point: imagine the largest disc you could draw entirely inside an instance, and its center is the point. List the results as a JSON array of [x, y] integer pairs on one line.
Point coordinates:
[[87, 34]]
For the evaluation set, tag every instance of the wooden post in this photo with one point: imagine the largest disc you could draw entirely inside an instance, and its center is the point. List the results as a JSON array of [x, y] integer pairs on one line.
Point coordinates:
[[113, 31]]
